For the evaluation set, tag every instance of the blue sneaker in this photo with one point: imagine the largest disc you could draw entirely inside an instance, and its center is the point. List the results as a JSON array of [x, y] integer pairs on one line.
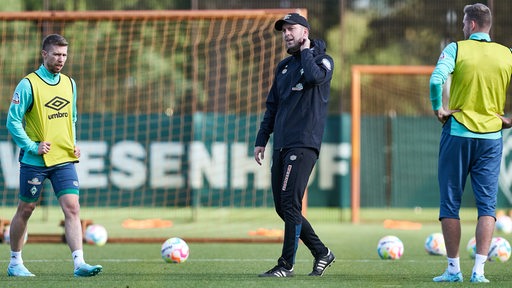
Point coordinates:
[[86, 270], [18, 271], [475, 278], [448, 277]]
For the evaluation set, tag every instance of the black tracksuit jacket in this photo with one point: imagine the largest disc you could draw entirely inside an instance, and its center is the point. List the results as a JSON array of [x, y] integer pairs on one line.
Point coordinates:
[[296, 106]]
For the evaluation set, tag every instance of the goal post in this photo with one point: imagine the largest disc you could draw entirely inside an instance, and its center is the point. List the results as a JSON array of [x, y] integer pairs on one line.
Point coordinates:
[[169, 102], [357, 73]]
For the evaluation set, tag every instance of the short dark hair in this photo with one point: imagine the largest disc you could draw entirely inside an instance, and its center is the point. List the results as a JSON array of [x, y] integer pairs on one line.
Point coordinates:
[[53, 39], [479, 13]]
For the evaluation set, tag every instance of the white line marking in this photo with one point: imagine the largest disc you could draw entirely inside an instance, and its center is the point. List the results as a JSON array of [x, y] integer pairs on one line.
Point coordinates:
[[221, 260]]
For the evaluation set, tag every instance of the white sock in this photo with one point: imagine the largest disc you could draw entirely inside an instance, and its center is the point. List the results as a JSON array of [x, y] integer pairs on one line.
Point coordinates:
[[78, 257], [16, 258], [453, 265], [479, 264]]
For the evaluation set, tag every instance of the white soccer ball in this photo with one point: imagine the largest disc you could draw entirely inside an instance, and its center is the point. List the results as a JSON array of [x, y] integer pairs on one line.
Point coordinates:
[[499, 250], [96, 234], [175, 250], [434, 244], [7, 235], [390, 247], [504, 224]]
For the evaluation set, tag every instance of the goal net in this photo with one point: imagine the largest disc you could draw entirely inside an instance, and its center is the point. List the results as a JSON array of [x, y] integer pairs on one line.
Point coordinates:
[[397, 161], [169, 103]]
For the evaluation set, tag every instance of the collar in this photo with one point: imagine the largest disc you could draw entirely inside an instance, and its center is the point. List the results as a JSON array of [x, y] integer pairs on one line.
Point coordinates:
[[45, 73], [480, 36]]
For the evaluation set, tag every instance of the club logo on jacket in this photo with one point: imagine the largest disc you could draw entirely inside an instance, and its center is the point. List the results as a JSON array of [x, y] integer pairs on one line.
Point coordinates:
[[298, 87], [327, 64], [16, 98]]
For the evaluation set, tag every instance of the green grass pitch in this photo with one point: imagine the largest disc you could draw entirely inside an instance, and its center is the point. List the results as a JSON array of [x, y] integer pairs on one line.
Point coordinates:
[[238, 264]]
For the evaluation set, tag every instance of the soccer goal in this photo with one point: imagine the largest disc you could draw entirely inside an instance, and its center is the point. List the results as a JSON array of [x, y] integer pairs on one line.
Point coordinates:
[[169, 102], [391, 118]]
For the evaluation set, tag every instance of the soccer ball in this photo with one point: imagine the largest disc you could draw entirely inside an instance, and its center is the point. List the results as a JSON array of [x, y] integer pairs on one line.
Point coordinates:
[[390, 247], [471, 247], [434, 244], [96, 234], [499, 250], [175, 250], [7, 235], [504, 224]]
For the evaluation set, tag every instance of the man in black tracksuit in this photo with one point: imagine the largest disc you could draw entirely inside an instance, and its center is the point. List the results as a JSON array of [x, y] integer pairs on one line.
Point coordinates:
[[296, 111]]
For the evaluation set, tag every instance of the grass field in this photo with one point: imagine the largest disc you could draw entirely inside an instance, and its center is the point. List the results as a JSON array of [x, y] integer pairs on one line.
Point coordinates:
[[237, 264]]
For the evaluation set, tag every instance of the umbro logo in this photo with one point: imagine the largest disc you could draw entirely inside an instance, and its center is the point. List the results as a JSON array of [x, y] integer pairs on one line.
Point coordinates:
[[57, 103]]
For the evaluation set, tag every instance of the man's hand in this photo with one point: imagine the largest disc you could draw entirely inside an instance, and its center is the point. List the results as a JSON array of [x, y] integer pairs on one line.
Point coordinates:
[[305, 43], [44, 148], [259, 154], [506, 122], [443, 115], [77, 152]]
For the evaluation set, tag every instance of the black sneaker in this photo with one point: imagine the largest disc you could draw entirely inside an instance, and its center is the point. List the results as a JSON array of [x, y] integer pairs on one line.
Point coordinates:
[[321, 263], [278, 271], [282, 269]]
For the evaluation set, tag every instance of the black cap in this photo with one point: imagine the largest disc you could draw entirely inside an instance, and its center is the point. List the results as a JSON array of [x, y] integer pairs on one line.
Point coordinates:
[[292, 18]]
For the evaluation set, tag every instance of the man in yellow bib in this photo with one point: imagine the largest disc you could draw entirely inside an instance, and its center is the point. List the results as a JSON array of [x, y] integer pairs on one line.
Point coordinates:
[[471, 138], [41, 120]]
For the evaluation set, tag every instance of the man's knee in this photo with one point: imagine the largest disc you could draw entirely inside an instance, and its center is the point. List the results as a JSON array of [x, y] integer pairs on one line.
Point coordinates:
[[25, 209]]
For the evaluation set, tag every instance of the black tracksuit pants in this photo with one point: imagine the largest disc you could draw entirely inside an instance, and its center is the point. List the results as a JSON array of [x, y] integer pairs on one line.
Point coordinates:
[[290, 171]]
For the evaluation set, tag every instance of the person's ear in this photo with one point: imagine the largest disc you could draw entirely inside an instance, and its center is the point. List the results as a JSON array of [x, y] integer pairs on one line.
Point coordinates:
[[473, 25]]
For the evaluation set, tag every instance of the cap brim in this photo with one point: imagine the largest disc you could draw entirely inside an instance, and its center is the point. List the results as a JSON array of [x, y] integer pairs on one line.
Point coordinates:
[[279, 25]]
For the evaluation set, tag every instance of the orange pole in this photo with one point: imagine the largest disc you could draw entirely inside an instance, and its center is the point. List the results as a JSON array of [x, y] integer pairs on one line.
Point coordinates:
[[390, 69], [356, 145], [145, 14]]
